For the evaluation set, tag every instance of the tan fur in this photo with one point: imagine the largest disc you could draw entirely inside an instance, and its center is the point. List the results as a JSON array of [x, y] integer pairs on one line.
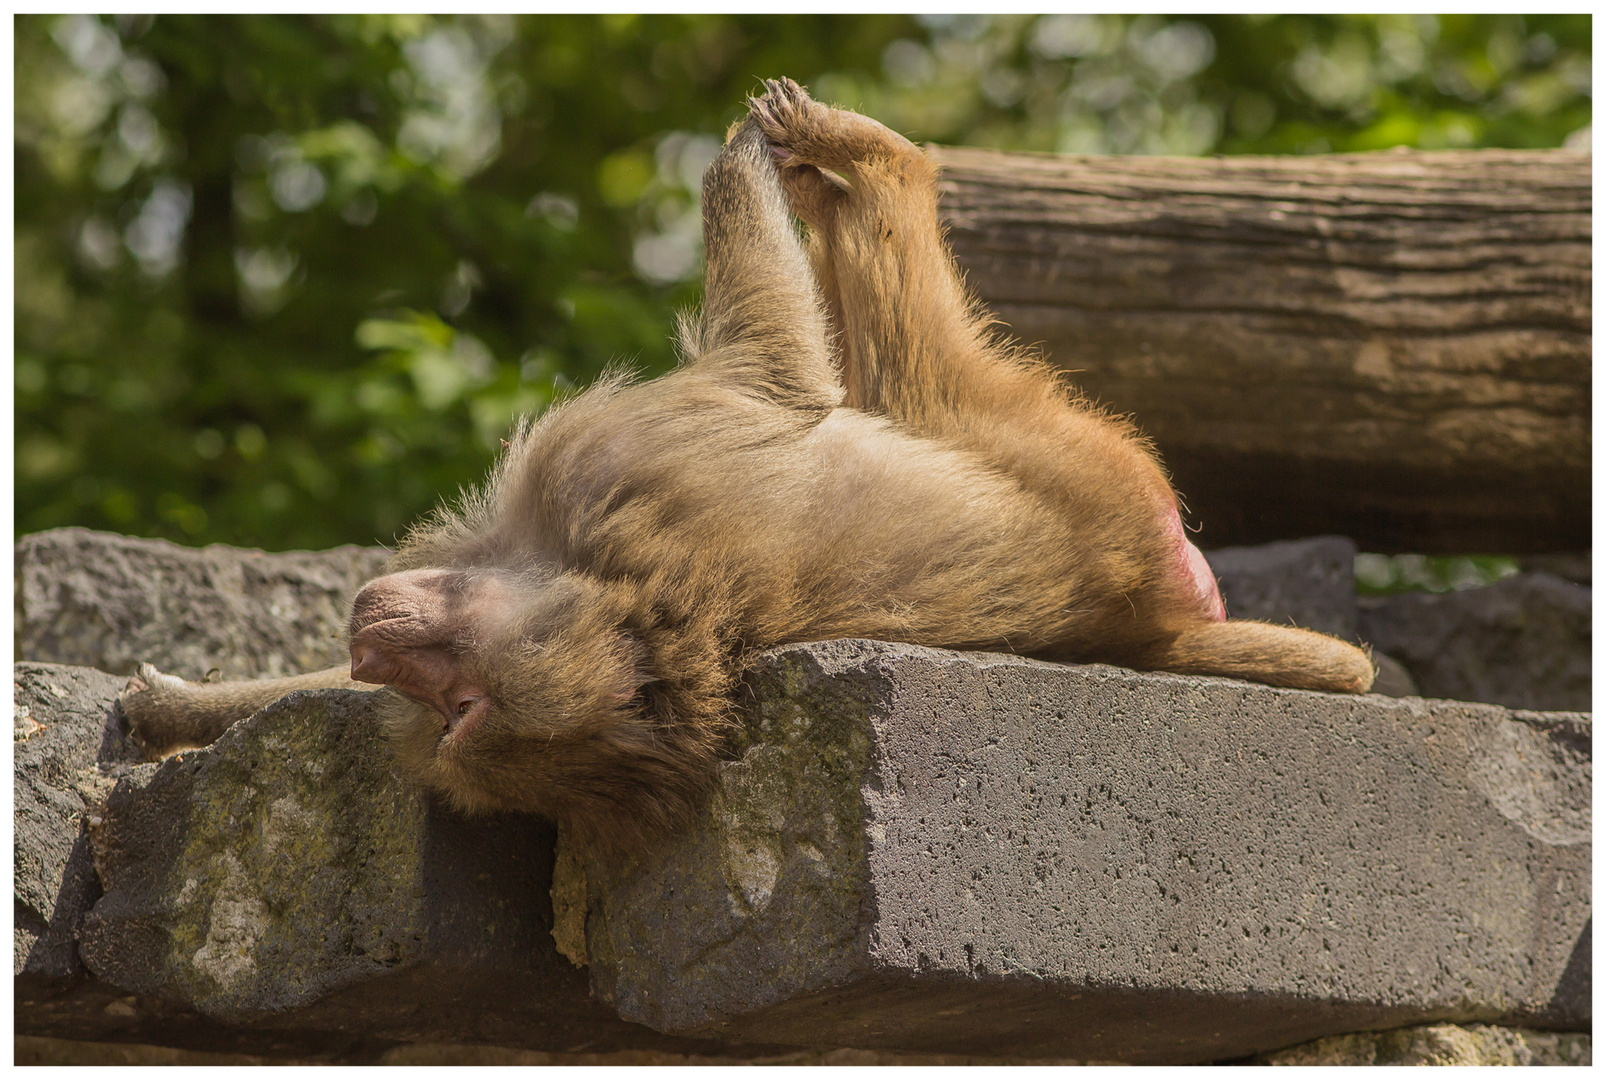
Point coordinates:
[[584, 616], [176, 715]]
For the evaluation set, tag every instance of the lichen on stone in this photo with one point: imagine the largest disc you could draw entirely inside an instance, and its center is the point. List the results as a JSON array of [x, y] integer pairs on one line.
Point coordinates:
[[1442, 1044], [299, 869]]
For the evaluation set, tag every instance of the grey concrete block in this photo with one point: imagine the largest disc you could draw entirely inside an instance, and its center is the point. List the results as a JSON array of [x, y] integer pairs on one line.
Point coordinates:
[[284, 891], [1523, 642], [923, 849], [106, 601], [69, 753], [912, 850], [1308, 583], [66, 754]]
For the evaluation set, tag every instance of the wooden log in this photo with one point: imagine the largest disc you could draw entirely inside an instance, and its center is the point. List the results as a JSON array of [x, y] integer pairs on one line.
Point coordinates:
[[1391, 346]]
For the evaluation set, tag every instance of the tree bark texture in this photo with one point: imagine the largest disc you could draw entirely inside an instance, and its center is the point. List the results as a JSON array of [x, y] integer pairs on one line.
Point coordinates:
[[1391, 346]]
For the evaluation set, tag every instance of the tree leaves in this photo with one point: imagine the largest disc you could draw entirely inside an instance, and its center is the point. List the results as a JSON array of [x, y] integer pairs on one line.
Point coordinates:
[[285, 280]]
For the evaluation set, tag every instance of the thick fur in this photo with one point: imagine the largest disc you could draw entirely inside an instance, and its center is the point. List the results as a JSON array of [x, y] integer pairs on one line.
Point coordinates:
[[845, 450]]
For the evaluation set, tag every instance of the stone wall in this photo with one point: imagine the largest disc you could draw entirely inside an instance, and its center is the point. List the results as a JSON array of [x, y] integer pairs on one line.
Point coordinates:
[[914, 853]]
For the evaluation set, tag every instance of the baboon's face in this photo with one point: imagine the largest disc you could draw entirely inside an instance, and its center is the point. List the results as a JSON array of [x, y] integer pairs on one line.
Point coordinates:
[[507, 686]]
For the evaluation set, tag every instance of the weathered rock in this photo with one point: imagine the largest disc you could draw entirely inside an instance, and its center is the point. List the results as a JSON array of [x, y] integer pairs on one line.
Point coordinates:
[[1574, 566], [1308, 583], [64, 732], [1392, 678], [106, 601], [36, 1050], [913, 851], [1523, 642], [923, 849], [285, 880], [1442, 1044], [1438, 1044], [69, 753]]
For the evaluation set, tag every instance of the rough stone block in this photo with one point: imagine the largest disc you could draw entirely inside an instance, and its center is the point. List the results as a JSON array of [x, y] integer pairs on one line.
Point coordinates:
[[912, 850], [1574, 566], [1523, 642], [67, 751], [106, 601], [1435, 1044], [1442, 1044], [280, 892], [1308, 583], [924, 849]]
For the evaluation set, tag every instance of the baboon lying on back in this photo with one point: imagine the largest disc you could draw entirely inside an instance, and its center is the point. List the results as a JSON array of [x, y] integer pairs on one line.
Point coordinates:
[[844, 451]]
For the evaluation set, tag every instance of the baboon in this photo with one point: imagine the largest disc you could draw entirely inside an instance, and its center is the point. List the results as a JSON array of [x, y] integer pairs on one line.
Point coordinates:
[[845, 450]]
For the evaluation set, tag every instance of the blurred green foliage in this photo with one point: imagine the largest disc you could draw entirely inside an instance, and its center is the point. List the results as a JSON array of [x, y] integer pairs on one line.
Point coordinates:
[[284, 281], [1380, 575]]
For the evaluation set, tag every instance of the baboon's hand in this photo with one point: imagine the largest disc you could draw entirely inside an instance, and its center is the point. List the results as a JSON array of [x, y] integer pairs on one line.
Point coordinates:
[[167, 714]]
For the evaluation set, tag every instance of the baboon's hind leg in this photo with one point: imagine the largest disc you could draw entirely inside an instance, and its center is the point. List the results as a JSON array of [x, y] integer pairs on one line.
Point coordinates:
[[916, 348], [911, 346]]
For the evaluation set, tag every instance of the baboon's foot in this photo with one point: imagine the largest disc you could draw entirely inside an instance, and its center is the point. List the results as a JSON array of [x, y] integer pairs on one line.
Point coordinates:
[[828, 154]]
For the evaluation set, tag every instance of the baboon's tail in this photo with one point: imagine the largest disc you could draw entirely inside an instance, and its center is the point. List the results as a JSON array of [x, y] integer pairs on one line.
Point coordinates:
[[1275, 655]]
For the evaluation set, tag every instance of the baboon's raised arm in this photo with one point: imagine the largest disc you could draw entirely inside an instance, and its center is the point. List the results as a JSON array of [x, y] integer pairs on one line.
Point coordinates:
[[762, 324], [565, 639]]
